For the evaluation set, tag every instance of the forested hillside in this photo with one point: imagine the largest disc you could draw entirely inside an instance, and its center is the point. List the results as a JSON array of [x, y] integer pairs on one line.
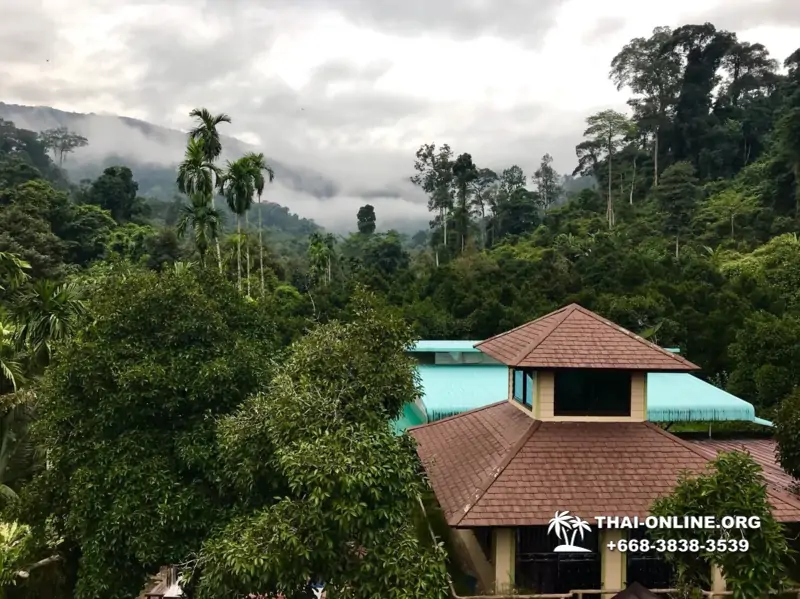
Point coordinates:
[[689, 235], [680, 223]]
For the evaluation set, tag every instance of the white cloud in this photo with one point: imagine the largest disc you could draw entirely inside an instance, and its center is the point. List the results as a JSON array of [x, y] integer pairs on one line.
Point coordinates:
[[351, 88]]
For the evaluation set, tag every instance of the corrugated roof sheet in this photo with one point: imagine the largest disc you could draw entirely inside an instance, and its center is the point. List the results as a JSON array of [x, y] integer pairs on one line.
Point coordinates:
[[445, 346], [671, 397], [411, 416], [574, 337], [450, 390], [680, 397]]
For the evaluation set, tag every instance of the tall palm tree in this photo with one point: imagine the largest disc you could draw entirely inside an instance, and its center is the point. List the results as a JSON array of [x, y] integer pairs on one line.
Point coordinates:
[[238, 187], [206, 132], [260, 167], [12, 271], [11, 370], [321, 250], [196, 173], [203, 219], [49, 312], [19, 456]]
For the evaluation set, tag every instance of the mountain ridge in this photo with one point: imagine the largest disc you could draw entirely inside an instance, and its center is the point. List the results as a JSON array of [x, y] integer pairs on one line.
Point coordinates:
[[39, 118]]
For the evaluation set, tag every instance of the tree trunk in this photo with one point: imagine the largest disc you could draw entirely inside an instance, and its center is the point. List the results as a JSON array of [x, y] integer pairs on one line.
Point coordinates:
[[797, 188], [633, 181], [655, 159], [239, 251], [214, 207], [260, 246], [246, 229], [610, 206], [483, 227], [677, 246]]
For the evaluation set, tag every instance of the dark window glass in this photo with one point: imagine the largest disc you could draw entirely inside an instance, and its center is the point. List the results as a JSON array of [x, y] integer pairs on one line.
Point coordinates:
[[650, 569], [541, 570], [592, 393], [519, 383], [528, 390], [523, 387]]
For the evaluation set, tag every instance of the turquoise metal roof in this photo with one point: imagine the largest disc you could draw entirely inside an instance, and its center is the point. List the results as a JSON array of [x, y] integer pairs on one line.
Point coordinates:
[[671, 397], [411, 417], [450, 390], [429, 345], [684, 397]]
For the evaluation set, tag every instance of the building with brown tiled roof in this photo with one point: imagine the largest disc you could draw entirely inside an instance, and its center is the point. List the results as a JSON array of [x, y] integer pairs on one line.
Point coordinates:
[[572, 437]]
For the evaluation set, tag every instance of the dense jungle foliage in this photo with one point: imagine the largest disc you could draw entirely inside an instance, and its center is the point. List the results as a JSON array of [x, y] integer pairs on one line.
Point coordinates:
[[140, 341]]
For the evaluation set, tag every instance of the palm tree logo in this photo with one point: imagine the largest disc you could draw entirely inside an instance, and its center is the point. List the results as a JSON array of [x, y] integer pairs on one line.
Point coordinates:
[[562, 524]]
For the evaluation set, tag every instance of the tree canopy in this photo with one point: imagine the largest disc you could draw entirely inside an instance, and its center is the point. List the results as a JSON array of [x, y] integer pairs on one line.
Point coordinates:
[[209, 384]]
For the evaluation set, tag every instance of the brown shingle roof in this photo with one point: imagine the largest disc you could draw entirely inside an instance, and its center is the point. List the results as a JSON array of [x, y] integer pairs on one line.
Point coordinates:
[[762, 452], [574, 337], [497, 466]]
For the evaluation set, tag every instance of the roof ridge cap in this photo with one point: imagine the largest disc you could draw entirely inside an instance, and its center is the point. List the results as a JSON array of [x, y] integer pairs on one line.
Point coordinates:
[[484, 487], [524, 324], [649, 344], [557, 321]]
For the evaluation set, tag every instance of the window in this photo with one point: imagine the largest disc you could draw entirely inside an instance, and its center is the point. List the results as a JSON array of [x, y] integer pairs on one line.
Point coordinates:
[[523, 387], [592, 393], [650, 569], [528, 390], [540, 569], [519, 385]]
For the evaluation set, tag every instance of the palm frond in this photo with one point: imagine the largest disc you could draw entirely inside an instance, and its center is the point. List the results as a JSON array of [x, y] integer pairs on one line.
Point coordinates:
[[7, 494], [12, 270], [49, 311], [206, 130], [203, 220], [260, 166], [238, 185]]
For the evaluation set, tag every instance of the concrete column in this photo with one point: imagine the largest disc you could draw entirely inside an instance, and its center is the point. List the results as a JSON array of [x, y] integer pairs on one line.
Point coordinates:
[[717, 580], [477, 559], [504, 541], [613, 564]]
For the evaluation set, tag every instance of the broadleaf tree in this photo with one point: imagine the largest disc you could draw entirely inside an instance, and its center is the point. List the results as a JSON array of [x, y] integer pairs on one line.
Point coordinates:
[[606, 131], [126, 415], [547, 182], [732, 485], [349, 491]]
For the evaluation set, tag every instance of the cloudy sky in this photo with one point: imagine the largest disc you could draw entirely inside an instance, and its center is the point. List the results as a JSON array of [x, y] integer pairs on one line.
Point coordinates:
[[351, 88]]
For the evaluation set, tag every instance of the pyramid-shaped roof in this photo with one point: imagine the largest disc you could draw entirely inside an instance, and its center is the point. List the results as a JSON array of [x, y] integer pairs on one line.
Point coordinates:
[[497, 466], [574, 337]]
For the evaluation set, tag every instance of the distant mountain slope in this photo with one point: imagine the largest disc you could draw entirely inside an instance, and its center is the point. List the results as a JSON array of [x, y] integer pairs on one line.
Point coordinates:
[[140, 144], [152, 153]]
